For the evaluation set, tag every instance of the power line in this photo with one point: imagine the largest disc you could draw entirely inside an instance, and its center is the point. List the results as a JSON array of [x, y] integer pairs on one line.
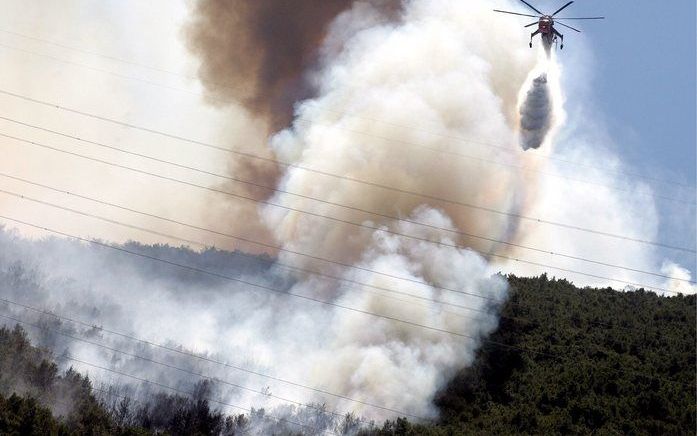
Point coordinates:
[[144, 380], [92, 53], [291, 267], [510, 167], [225, 277], [100, 70], [353, 208], [222, 276], [351, 179], [359, 268], [251, 284], [513, 151], [462, 233], [187, 371], [372, 119], [340, 220], [490, 342], [275, 290], [197, 243], [185, 353], [362, 225], [204, 358], [553, 253], [408, 143]]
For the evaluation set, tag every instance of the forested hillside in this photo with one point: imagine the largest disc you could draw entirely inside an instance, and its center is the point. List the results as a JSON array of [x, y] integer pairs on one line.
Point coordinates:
[[36, 400], [578, 361], [608, 362]]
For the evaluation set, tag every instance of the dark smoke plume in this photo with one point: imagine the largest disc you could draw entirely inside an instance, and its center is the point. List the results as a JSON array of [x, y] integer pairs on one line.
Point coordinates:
[[260, 53], [256, 51]]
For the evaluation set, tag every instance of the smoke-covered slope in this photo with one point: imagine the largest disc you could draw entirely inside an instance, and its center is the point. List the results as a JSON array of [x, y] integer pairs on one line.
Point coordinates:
[[37, 399], [246, 311], [605, 360]]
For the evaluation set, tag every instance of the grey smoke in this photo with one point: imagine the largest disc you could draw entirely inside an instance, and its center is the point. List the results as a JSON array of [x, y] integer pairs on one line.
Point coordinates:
[[437, 68], [165, 305], [536, 114]]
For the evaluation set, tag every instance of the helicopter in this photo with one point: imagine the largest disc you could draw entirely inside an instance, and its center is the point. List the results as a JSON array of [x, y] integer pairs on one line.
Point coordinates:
[[545, 24]]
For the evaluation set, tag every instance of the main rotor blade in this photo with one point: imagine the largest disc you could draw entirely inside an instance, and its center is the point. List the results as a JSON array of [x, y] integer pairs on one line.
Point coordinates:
[[562, 24], [516, 13], [531, 7], [562, 8], [580, 18], [532, 24]]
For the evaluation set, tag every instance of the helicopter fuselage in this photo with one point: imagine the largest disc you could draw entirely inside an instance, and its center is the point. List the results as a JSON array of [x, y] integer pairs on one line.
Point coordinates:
[[546, 24], [545, 28]]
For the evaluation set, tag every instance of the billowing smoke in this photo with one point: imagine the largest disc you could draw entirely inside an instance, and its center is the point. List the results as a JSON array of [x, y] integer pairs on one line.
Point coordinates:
[[260, 53], [418, 101], [439, 69], [370, 359], [681, 281]]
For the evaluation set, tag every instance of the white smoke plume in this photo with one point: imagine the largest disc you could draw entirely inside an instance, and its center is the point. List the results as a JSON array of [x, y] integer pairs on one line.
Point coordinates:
[[680, 283], [463, 90]]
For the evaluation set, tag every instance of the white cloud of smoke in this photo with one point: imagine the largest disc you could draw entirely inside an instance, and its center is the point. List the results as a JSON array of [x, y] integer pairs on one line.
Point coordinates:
[[680, 283], [458, 92]]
